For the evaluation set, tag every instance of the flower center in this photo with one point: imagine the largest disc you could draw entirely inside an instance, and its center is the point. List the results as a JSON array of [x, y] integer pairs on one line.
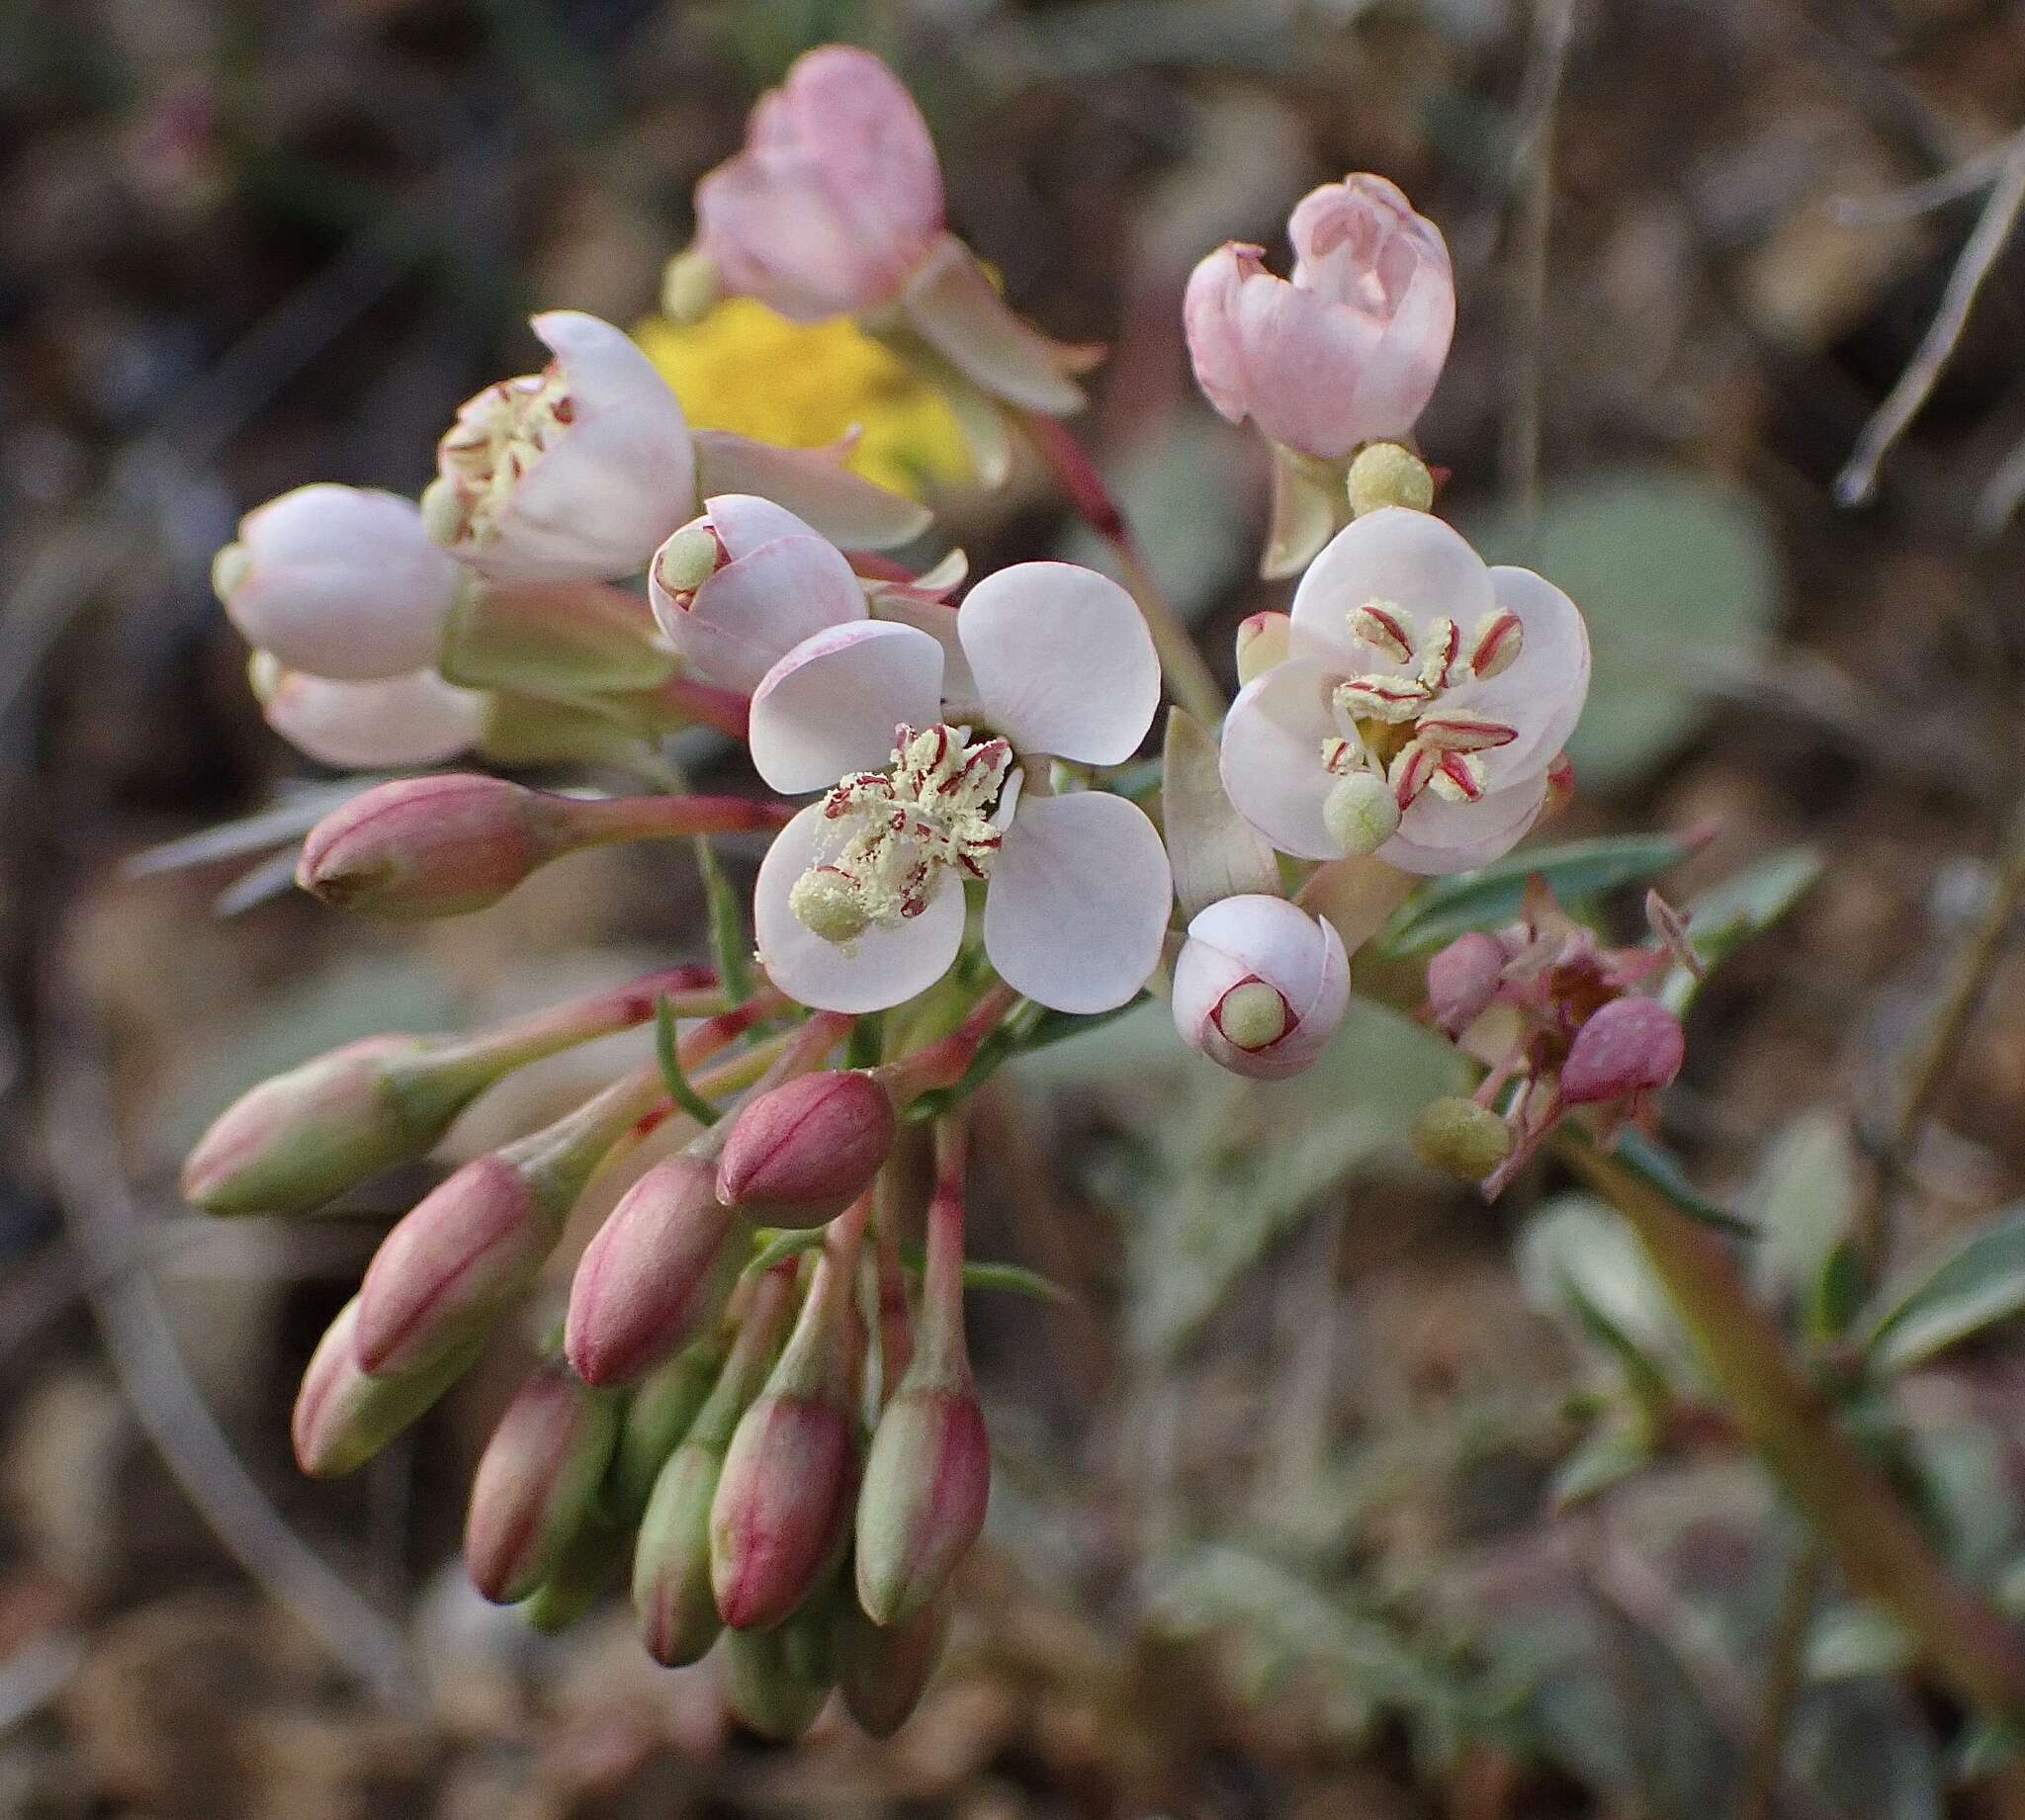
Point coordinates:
[[896, 831], [1254, 1016], [499, 436], [1403, 733]]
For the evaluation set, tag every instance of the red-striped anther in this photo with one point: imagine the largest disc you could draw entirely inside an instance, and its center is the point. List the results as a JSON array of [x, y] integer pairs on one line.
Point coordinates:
[[443, 846], [1629, 1046], [929, 1476], [882, 1669], [799, 1154], [342, 1416], [537, 1481], [672, 1598], [782, 1508], [655, 1275]]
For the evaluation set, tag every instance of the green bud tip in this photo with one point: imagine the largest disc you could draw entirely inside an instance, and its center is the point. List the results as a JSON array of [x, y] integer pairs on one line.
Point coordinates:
[[1389, 473]]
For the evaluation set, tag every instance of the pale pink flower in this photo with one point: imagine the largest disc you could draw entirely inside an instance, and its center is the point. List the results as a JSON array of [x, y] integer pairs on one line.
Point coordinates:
[[1259, 985], [1349, 349], [835, 197], [1424, 701], [340, 581], [861, 901], [384, 725]]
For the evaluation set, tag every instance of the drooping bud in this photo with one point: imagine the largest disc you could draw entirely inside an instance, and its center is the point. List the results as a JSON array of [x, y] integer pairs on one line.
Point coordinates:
[[1361, 813], [470, 1248], [1462, 979], [536, 1481], [569, 637], [339, 582], [882, 1669], [1628, 1046], [782, 1508], [443, 846], [659, 1416], [801, 1154], [1384, 474], [672, 1598], [1259, 985], [343, 1418], [578, 1575], [654, 1277], [1460, 1138], [1262, 641], [776, 1682]]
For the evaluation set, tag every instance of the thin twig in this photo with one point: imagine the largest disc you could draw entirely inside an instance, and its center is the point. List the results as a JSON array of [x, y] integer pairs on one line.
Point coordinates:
[[1935, 192], [2003, 493], [1857, 481], [1783, 1677]]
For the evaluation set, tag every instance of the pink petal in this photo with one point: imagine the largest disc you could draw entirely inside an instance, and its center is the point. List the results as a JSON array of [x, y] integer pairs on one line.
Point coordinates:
[[831, 705], [1303, 357], [387, 725], [955, 309], [883, 967], [758, 607], [813, 483], [1542, 692], [1408, 558], [1435, 835], [1209, 322], [1063, 662], [1272, 762], [1078, 903]]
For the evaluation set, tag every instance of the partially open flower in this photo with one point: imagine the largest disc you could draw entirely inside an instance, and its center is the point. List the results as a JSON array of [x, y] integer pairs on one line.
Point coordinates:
[[339, 582], [1259, 985], [1347, 351], [861, 901], [1426, 699], [739, 588], [413, 719]]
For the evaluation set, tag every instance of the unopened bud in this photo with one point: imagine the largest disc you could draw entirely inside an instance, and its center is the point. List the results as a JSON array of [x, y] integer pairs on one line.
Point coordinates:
[[536, 1481], [1462, 980], [689, 287], [927, 1483], [882, 1671], [658, 1417], [1628, 1046], [578, 1577], [1460, 1138], [774, 1680], [801, 1154], [343, 1418], [1259, 985], [653, 1276], [1263, 644], [1389, 473], [1361, 813]]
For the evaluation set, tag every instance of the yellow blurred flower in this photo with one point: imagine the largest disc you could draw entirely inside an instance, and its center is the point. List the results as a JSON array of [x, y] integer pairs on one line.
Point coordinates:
[[743, 369]]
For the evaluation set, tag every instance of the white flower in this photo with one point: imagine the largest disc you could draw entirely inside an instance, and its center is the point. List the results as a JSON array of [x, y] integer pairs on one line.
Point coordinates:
[[860, 903], [1259, 985], [341, 581], [382, 726], [1425, 700]]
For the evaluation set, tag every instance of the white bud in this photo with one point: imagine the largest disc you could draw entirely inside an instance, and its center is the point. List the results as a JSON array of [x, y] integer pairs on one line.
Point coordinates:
[[1361, 813], [1259, 985], [390, 725]]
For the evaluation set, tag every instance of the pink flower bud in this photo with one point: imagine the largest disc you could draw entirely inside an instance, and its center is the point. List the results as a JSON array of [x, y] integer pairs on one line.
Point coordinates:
[[739, 588], [882, 1669], [413, 719], [782, 1505], [927, 1480], [574, 474], [801, 1154], [1629, 1046], [1259, 985], [342, 1416], [1462, 980], [339, 582], [836, 196], [653, 1275], [1349, 349], [536, 1481]]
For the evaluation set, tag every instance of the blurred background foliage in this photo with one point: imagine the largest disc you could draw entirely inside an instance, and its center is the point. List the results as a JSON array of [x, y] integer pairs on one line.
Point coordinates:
[[1329, 1492]]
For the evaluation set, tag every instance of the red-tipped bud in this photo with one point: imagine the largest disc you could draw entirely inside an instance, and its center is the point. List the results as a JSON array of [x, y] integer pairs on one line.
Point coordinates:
[[1629, 1046], [342, 1416], [653, 1276], [776, 1680], [801, 1154], [658, 1414], [672, 1598], [537, 1481], [882, 1671], [1462, 979], [782, 1505], [927, 1483]]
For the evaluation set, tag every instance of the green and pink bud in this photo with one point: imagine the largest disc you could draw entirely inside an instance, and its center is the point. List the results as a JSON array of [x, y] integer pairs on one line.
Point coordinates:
[[343, 1417], [800, 1154], [777, 1682], [882, 1669], [658, 1417]]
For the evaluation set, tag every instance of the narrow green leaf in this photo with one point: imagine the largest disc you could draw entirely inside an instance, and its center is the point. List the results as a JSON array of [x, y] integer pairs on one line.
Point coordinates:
[[984, 1274], [777, 1244], [1658, 1168], [1959, 1291], [1606, 1457], [730, 942], [671, 1059], [1721, 920]]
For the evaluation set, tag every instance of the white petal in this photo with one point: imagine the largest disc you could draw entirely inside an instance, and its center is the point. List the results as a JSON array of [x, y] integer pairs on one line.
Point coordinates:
[[1272, 764], [758, 607], [387, 725], [831, 705], [1542, 692], [744, 521], [842, 506], [956, 310], [1078, 902], [1063, 662], [1435, 835], [904, 607], [1409, 559], [883, 967]]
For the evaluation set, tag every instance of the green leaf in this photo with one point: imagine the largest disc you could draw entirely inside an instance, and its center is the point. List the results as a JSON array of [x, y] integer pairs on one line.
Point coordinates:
[[730, 942], [1494, 894], [1578, 1262], [776, 1246], [1678, 577], [1660, 1170], [1721, 920], [982, 1274], [670, 1056], [1848, 1641], [1956, 1293], [1608, 1456], [1803, 1202]]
